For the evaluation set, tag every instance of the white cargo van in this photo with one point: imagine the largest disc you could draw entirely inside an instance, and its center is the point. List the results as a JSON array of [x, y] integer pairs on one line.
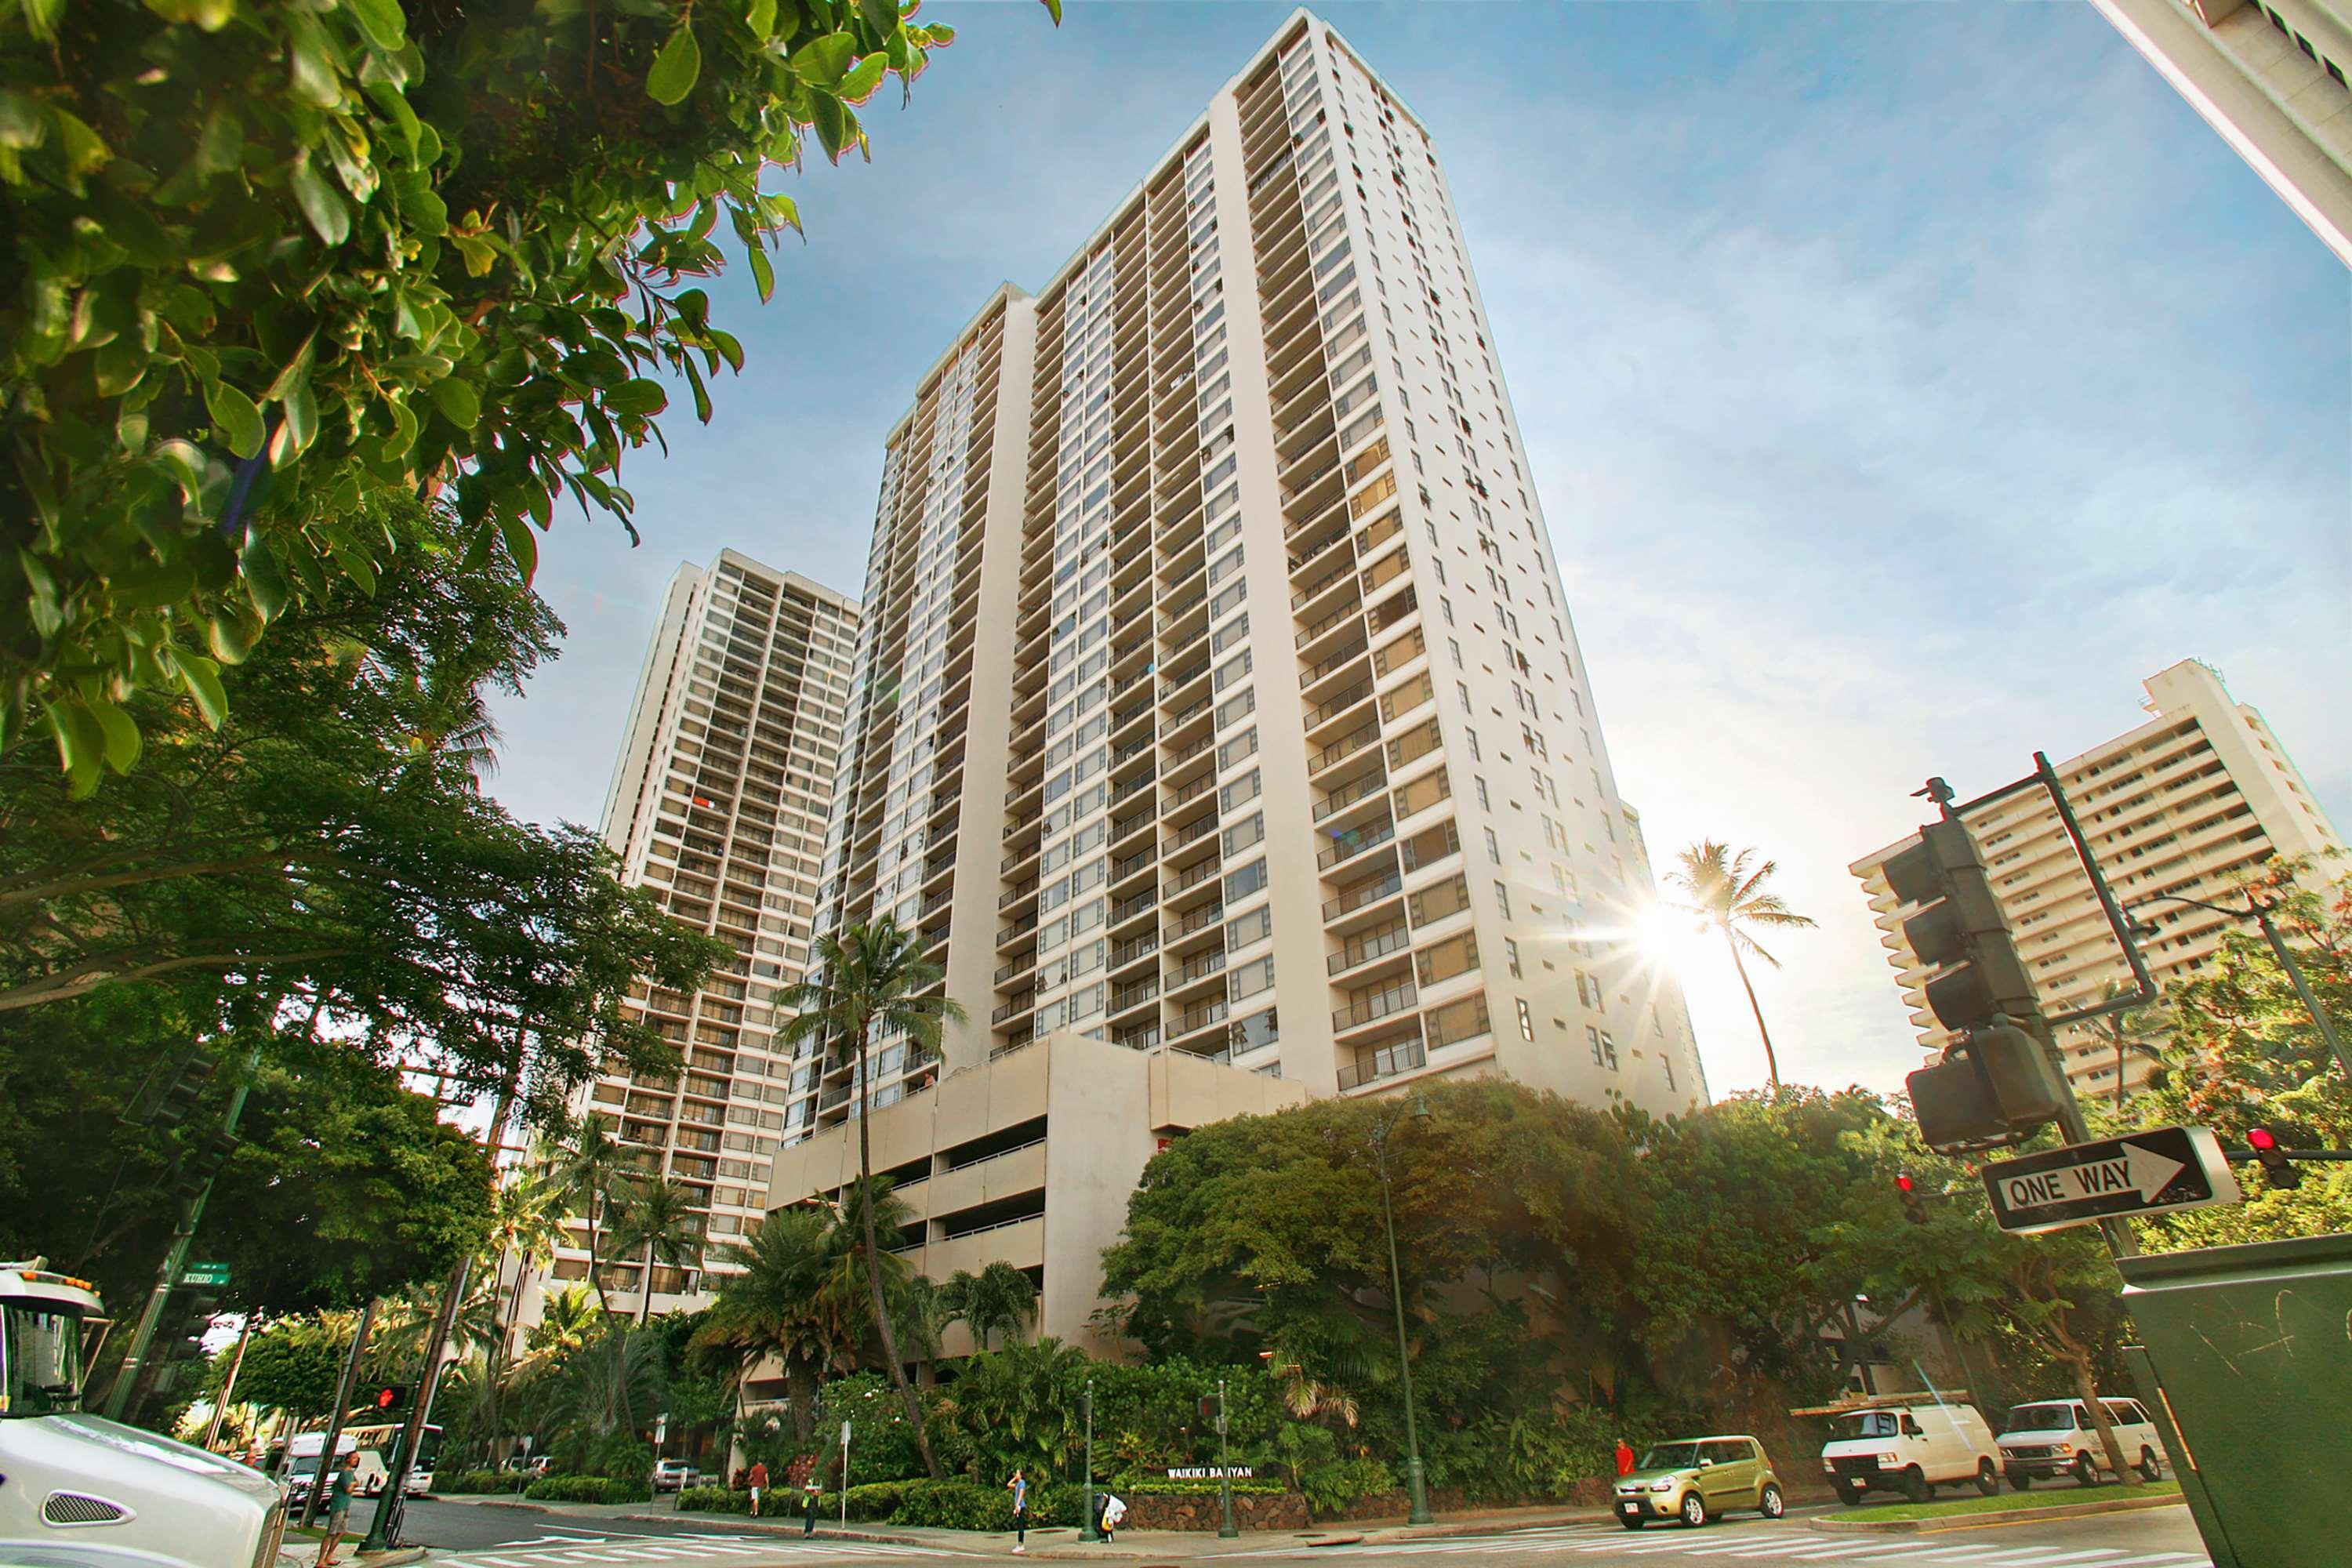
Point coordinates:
[[2054, 1437], [1912, 1450]]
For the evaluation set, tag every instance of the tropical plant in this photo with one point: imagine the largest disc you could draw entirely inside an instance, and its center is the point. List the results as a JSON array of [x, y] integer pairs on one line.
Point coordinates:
[[1725, 891], [591, 1168], [1020, 1407], [783, 1295], [865, 981], [568, 1319], [2142, 1032], [998, 1298], [657, 1217], [405, 1325], [278, 260]]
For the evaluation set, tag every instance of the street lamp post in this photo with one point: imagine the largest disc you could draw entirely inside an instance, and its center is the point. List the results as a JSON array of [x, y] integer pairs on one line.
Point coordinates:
[[2260, 913], [1227, 1530], [1087, 1532], [1416, 1486]]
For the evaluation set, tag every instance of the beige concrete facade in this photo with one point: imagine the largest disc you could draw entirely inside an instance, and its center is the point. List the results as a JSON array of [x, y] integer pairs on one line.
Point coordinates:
[[2270, 76], [2189, 803], [719, 804], [1030, 1160], [1217, 690]]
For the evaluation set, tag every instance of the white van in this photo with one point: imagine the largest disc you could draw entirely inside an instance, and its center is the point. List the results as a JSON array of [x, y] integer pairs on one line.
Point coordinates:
[[303, 1456], [2052, 1437], [1911, 1449]]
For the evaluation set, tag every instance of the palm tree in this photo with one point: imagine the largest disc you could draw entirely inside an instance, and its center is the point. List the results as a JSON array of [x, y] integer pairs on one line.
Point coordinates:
[[2143, 1031], [526, 1222], [658, 1218], [786, 1298], [566, 1319], [586, 1173], [1728, 897], [999, 1297], [864, 978]]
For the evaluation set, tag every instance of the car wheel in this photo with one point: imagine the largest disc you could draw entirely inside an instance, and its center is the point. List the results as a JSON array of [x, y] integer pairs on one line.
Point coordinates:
[[1694, 1510], [1915, 1486], [2086, 1470], [1632, 1523], [2021, 1480], [1772, 1505], [1852, 1495], [2151, 1469], [1988, 1478]]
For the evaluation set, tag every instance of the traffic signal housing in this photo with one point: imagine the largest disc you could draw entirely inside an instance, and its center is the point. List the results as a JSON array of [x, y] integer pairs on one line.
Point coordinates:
[[1913, 1210], [1995, 1087], [2278, 1170], [1958, 930], [388, 1397]]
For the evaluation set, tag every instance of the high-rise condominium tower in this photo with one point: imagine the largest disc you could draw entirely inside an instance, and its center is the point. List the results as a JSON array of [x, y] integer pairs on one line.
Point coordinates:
[[2192, 802], [719, 803], [1218, 691]]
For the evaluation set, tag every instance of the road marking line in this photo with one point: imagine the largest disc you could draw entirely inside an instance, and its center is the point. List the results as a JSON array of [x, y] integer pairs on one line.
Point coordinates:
[[2181, 1558], [2040, 1556]]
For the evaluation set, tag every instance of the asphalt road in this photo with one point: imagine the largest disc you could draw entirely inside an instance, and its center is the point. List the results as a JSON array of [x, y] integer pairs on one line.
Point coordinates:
[[472, 1536], [2157, 1538]]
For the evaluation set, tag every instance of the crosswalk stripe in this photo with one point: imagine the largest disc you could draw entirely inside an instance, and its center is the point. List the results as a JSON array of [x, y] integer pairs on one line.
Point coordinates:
[[2044, 1557]]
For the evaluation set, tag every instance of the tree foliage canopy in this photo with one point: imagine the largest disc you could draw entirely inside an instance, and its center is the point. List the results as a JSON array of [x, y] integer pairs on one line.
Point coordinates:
[[271, 262]]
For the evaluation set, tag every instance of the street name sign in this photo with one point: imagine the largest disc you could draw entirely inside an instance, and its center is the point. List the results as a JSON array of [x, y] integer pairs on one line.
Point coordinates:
[[2142, 1172], [204, 1274]]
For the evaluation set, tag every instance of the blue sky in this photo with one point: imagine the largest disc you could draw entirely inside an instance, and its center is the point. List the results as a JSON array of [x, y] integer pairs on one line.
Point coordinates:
[[1904, 384]]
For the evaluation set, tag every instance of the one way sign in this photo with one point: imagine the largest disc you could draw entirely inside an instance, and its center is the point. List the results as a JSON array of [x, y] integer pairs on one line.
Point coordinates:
[[2144, 1172]]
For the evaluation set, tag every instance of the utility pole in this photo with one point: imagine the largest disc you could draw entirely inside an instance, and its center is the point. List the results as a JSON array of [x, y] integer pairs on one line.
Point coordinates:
[[175, 1256], [1087, 1530], [1416, 1486], [2326, 1027], [344, 1387], [384, 1530], [1228, 1531], [228, 1386]]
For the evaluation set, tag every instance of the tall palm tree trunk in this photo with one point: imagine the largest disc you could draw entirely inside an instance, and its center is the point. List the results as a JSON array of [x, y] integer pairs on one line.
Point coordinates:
[[1771, 1062], [645, 1294], [2122, 1046], [882, 1325]]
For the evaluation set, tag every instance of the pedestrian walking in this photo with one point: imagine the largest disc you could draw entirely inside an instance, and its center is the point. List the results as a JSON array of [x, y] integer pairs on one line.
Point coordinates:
[[339, 1508], [759, 1480], [1019, 1487], [810, 1492], [1624, 1459], [1113, 1511]]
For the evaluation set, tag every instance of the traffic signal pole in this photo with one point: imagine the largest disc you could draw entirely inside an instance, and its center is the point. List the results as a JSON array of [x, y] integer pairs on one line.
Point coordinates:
[[175, 1256], [344, 1387]]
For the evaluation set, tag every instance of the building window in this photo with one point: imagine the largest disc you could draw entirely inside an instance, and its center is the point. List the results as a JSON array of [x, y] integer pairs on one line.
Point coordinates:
[[1605, 1049], [1511, 956], [1527, 1021], [1503, 899], [1494, 850]]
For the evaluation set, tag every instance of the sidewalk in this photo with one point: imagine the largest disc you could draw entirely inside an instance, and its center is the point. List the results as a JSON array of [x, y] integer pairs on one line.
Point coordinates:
[[1063, 1543]]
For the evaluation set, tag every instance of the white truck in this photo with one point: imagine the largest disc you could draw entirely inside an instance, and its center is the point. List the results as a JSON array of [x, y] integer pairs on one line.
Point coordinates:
[[77, 1491], [1910, 1444]]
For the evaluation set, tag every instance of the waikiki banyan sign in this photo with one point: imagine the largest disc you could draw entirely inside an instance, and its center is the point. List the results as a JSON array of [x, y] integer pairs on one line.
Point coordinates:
[[1212, 1472]]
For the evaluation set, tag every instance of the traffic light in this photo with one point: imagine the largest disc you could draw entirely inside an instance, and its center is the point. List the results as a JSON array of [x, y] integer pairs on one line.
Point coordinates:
[[1913, 1210], [387, 1397], [1958, 930], [1995, 1084], [2277, 1168], [172, 1093]]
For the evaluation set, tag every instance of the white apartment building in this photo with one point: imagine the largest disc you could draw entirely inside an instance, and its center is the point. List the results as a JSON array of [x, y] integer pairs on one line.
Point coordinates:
[[2271, 77], [2190, 803], [1217, 692], [719, 803]]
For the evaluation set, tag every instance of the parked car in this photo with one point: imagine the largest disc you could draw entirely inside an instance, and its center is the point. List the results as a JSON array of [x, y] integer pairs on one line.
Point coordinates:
[[1696, 1480], [2054, 1437], [1911, 1449], [526, 1464], [675, 1475]]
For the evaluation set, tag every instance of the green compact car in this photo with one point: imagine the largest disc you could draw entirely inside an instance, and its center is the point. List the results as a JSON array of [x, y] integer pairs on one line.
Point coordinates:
[[1696, 1480]]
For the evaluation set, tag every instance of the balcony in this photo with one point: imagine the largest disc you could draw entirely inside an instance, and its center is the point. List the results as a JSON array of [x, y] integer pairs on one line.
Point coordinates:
[[1371, 1009], [1362, 894], [1354, 842], [1387, 1062], [1365, 950]]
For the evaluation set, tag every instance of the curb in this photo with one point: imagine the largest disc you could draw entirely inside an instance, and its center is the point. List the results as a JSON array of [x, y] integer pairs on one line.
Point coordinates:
[[392, 1559], [1988, 1519]]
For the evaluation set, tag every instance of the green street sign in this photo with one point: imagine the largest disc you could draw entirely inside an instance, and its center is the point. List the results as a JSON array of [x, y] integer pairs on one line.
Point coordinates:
[[204, 1274]]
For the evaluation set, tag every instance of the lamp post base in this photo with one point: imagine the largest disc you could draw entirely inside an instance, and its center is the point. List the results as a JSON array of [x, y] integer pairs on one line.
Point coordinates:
[[1417, 1487]]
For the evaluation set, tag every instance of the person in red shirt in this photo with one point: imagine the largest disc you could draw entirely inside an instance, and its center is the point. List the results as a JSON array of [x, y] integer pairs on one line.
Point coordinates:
[[1624, 1459], [759, 1479]]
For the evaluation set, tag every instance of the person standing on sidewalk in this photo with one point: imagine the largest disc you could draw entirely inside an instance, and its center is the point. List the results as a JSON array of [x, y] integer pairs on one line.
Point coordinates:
[[759, 1480], [1113, 1511], [339, 1509], [1019, 1487], [1624, 1459], [810, 1492]]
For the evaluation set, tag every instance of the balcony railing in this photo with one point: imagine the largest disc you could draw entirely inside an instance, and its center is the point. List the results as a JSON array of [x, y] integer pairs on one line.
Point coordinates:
[[1386, 1063], [1373, 1009]]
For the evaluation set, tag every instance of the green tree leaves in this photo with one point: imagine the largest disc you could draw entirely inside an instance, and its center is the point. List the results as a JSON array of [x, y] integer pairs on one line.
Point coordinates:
[[279, 272]]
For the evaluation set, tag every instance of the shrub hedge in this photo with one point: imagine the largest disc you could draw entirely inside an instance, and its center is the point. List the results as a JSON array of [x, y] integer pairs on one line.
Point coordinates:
[[589, 1489], [469, 1481]]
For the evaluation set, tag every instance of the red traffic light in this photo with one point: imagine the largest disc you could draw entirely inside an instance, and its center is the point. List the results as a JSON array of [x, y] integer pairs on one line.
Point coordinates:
[[385, 1398], [1903, 1180], [2261, 1140]]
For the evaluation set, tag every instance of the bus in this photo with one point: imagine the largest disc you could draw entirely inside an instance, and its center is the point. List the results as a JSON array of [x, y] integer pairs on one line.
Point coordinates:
[[375, 1443]]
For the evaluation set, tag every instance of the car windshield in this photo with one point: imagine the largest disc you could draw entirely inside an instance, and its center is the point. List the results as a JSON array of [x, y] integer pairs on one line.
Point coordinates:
[[1671, 1456], [2041, 1418], [40, 1351], [1870, 1423]]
